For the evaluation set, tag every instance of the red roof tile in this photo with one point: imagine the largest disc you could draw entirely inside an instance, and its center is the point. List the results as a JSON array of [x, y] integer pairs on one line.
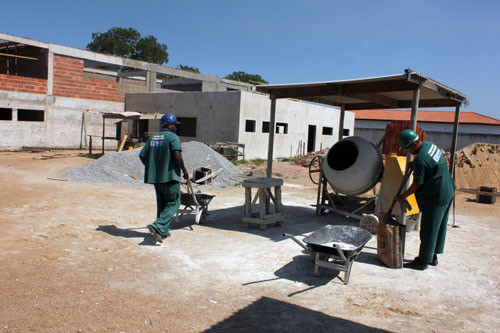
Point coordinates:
[[426, 116]]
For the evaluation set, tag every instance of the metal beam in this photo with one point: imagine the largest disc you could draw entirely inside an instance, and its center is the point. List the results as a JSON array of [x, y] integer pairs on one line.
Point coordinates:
[[376, 98], [403, 104]]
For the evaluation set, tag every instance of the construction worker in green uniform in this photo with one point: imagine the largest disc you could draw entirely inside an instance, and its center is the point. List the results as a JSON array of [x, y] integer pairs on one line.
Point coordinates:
[[434, 190], [163, 161]]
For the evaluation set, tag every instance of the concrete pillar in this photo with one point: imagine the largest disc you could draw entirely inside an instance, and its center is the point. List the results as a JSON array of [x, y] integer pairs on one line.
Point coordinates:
[[50, 74], [151, 81]]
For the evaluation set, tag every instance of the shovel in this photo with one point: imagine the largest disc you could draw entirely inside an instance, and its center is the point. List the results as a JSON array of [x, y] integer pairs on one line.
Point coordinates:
[[405, 205]]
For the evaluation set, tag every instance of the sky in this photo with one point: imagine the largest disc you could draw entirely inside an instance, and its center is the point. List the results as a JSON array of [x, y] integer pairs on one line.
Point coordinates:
[[455, 42]]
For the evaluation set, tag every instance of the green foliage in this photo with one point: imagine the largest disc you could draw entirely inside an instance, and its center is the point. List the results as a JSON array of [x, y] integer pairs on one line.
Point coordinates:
[[245, 77], [287, 159], [128, 43], [148, 49], [188, 68], [237, 162], [258, 161]]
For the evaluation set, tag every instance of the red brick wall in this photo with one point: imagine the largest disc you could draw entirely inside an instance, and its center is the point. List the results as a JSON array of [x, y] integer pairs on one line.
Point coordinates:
[[69, 82], [392, 131], [23, 84]]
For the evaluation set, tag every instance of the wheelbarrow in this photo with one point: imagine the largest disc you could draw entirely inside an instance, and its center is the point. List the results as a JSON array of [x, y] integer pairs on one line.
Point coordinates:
[[195, 203], [334, 247]]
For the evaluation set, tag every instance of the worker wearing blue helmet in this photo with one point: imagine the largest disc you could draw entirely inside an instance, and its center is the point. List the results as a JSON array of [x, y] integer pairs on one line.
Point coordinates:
[[434, 190], [162, 158]]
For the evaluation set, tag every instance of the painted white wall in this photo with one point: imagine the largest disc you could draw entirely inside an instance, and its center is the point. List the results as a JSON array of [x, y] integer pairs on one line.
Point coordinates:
[[298, 115], [221, 116]]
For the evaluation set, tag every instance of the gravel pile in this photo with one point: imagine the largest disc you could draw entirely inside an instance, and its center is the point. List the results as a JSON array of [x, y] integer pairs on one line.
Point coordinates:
[[125, 168]]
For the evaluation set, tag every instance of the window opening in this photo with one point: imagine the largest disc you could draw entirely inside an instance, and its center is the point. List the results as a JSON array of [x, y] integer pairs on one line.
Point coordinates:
[[23, 60], [265, 127], [187, 126], [281, 128], [327, 130], [30, 115], [345, 132], [250, 125], [5, 114]]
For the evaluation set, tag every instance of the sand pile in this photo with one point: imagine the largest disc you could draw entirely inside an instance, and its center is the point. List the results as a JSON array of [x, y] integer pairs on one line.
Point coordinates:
[[478, 165], [125, 168]]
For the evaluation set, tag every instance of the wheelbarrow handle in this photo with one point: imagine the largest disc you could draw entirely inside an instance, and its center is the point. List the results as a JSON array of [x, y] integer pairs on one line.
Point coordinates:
[[302, 244]]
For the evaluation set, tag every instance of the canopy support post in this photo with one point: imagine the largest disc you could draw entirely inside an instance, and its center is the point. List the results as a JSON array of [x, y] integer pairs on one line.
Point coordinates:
[[409, 156], [272, 130], [341, 122], [454, 140]]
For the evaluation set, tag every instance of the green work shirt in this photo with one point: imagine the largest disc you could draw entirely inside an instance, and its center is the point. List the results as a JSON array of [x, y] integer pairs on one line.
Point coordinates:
[[431, 171], [157, 157]]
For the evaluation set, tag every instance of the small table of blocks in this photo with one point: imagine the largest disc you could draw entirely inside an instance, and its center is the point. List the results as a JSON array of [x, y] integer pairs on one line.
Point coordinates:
[[263, 215]]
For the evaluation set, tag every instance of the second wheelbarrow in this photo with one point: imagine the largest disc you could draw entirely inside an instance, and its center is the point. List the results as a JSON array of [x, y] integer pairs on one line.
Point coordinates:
[[334, 247]]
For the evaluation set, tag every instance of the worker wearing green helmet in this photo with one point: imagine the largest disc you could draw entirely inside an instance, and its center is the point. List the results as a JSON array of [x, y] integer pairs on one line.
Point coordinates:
[[434, 190]]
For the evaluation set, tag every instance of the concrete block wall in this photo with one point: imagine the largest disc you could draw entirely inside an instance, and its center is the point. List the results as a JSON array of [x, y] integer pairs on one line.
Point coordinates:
[[216, 113], [69, 81], [62, 125], [23, 84]]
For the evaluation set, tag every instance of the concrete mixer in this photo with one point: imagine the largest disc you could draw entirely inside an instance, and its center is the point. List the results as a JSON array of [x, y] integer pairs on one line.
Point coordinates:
[[351, 167]]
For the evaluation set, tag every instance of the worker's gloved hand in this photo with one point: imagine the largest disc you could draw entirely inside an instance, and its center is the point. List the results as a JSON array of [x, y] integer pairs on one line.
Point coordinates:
[[405, 205]]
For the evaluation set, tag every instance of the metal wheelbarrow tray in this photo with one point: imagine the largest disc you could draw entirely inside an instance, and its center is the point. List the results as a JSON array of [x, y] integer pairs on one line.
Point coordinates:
[[196, 203], [334, 247]]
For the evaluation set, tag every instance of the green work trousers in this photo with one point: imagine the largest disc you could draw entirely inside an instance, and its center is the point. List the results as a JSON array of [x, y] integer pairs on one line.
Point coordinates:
[[433, 230], [168, 200]]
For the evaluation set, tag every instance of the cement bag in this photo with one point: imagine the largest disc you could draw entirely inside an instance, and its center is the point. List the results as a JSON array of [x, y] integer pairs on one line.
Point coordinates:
[[390, 244]]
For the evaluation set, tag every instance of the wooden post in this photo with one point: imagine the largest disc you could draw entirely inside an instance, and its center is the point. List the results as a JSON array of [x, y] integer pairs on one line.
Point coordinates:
[[103, 132], [122, 143], [272, 129], [248, 202]]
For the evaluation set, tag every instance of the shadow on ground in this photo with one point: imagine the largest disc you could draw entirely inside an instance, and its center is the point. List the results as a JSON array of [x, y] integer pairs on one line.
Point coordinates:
[[301, 270], [271, 315], [297, 221], [147, 238]]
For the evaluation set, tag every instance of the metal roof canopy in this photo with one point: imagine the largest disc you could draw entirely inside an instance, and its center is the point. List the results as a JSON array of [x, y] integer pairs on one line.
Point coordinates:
[[407, 90]]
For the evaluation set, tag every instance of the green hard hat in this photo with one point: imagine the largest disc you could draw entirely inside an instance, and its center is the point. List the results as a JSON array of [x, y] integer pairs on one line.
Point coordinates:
[[406, 138]]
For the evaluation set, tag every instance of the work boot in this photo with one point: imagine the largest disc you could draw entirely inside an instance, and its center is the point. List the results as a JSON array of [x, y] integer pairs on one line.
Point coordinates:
[[434, 260], [416, 264], [155, 233]]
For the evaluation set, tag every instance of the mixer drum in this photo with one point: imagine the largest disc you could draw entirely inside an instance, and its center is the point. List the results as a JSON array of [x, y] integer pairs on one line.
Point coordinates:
[[352, 166]]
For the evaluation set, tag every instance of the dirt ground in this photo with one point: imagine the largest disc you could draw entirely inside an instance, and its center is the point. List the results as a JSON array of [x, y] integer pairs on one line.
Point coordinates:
[[76, 257]]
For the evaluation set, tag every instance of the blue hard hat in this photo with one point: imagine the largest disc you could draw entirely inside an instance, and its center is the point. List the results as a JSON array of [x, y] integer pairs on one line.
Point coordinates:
[[169, 118]]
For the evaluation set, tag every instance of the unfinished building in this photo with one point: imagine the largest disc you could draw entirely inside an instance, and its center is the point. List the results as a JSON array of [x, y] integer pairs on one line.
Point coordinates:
[[54, 96]]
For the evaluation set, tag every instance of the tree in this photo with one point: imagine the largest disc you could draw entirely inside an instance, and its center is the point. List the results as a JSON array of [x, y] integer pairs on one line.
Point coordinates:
[[245, 77], [128, 43], [188, 68]]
